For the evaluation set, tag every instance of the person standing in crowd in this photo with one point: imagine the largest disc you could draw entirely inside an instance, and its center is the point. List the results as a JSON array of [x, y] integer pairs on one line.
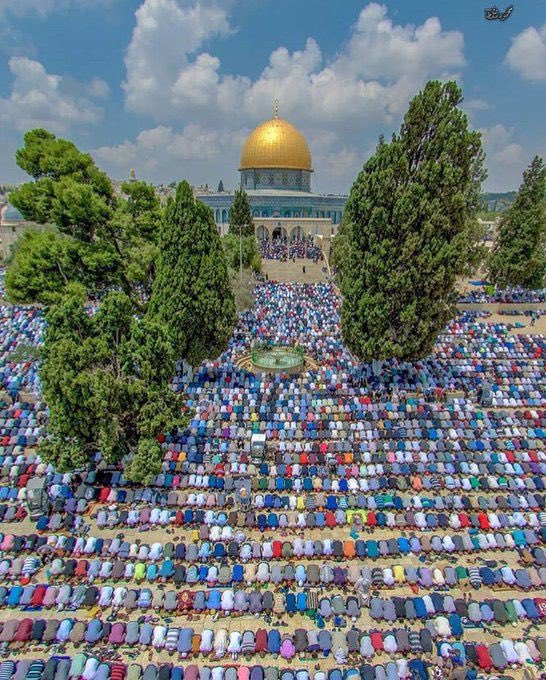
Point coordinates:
[[362, 588]]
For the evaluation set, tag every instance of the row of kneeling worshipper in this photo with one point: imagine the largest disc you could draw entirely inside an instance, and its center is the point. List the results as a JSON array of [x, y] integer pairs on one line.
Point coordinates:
[[345, 458], [490, 611], [257, 602], [329, 493], [218, 525], [417, 475], [359, 406], [316, 500], [374, 510], [133, 555], [244, 551], [336, 494], [346, 428], [198, 506], [195, 550], [374, 444], [212, 523], [334, 472], [396, 482], [249, 572], [297, 422], [327, 575], [91, 668], [221, 642], [517, 294]]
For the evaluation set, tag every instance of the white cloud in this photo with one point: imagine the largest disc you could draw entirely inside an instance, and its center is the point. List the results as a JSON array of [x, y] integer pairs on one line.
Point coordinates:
[[38, 98], [527, 54], [505, 158], [472, 105], [379, 49], [167, 32], [370, 80], [165, 154], [173, 76], [168, 76], [98, 88]]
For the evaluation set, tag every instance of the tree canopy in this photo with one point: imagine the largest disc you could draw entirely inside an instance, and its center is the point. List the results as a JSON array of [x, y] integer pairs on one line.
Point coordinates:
[[240, 215], [340, 247], [44, 262], [106, 380], [105, 375], [192, 296], [412, 230], [102, 240], [251, 255], [518, 257]]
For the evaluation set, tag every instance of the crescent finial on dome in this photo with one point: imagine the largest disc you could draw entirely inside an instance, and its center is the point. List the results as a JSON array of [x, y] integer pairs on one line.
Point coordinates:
[[276, 108]]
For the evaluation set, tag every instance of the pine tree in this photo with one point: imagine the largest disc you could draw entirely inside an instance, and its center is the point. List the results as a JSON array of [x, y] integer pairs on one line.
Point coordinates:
[[106, 382], [518, 257], [220, 187], [412, 230], [192, 296], [240, 215], [97, 238]]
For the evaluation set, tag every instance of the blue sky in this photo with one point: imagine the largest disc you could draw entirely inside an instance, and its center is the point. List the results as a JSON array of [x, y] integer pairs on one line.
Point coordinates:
[[172, 87]]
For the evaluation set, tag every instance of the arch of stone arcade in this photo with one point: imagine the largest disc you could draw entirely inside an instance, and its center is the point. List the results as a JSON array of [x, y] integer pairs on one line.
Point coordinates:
[[295, 228]]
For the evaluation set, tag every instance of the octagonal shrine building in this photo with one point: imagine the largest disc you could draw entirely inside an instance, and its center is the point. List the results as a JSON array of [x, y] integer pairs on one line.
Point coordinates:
[[276, 171]]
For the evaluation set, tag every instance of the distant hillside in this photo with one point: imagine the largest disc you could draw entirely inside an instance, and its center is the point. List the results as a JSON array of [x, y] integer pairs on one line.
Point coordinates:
[[498, 202]]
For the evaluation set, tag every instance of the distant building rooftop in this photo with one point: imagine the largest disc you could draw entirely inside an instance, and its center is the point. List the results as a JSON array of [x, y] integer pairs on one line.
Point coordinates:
[[267, 192], [11, 214]]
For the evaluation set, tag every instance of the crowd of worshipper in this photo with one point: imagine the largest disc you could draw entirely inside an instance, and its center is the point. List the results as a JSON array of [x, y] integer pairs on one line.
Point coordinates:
[[223, 587], [442, 460], [452, 658], [466, 355], [294, 249], [219, 643], [509, 295], [183, 563]]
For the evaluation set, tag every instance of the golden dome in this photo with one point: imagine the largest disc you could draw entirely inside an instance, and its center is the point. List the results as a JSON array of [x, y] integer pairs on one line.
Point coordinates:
[[276, 144]]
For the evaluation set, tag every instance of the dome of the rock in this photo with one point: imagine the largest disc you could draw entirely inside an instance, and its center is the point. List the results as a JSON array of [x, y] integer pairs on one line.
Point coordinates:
[[276, 144]]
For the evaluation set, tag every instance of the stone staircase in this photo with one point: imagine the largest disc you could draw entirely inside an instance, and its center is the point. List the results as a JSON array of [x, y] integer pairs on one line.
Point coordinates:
[[292, 272]]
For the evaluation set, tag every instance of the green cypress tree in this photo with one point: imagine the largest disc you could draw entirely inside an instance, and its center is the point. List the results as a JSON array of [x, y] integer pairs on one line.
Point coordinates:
[[412, 230], [192, 295], [518, 257], [240, 216], [340, 247], [220, 187]]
